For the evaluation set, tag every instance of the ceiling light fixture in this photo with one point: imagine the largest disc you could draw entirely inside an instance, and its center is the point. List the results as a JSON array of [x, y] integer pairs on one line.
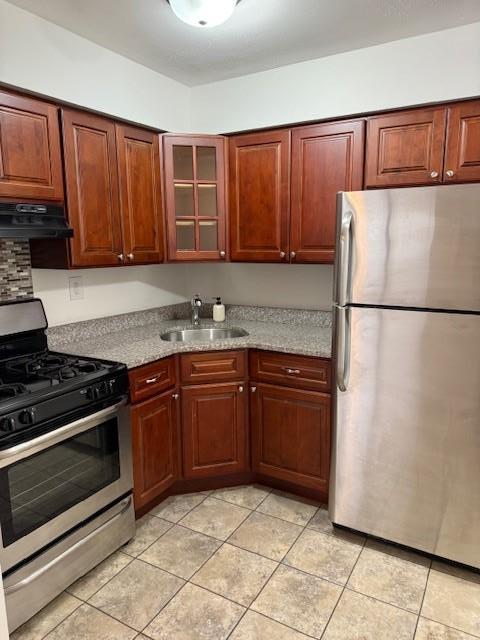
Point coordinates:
[[203, 13]]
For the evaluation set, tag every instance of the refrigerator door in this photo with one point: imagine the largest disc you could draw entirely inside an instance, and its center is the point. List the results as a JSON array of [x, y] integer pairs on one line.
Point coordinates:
[[417, 247], [406, 453]]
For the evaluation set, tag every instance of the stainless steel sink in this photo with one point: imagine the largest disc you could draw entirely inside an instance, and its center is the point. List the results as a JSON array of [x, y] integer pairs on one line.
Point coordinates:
[[202, 335]]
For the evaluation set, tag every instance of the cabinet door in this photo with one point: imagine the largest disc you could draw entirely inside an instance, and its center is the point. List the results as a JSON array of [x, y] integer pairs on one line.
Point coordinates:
[[30, 156], [259, 196], [405, 148], [140, 194], [214, 429], [194, 169], [462, 156], [326, 158], [291, 435], [156, 446], [92, 189]]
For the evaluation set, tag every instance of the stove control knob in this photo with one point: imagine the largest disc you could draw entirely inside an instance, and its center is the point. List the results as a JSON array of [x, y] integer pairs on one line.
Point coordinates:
[[92, 393], [7, 424], [27, 416], [102, 389]]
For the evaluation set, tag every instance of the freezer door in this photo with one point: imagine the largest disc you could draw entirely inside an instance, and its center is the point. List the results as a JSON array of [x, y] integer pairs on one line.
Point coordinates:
[[406, 452], [417, 247]]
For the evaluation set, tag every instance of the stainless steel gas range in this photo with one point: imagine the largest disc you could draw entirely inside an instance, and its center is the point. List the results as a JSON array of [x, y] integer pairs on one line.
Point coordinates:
[[65, 462]]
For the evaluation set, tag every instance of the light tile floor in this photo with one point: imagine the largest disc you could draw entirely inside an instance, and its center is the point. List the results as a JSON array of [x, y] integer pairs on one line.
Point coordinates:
[[250, 563]]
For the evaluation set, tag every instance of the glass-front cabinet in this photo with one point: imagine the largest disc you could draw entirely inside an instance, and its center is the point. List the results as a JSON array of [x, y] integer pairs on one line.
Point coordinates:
[[195, 197]]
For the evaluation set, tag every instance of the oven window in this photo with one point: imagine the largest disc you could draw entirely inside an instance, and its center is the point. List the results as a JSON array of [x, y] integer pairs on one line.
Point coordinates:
[[39, 488]]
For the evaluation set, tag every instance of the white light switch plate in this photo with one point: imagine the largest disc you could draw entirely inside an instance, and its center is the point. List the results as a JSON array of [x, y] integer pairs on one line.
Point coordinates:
[[75, 284]]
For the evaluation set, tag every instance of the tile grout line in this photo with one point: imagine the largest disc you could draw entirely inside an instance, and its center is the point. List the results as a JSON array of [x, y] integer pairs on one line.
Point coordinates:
[[467, 633], [423, 598], [343, 590]]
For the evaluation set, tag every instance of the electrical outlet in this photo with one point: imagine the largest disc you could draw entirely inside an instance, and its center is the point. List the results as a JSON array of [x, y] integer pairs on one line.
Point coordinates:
[[75, 284]]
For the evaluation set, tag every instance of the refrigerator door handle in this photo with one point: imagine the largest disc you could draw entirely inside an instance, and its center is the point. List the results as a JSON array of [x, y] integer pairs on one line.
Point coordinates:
[[343, 347], [345, 240]]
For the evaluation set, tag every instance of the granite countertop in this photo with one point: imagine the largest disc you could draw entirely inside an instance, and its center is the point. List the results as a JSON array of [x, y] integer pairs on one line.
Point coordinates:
[[138, 345]]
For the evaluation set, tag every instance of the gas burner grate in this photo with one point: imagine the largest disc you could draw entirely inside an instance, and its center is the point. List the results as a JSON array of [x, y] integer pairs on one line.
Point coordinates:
[[11, 390]]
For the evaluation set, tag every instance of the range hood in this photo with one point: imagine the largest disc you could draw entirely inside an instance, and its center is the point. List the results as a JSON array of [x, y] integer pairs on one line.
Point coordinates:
[[33, 220]]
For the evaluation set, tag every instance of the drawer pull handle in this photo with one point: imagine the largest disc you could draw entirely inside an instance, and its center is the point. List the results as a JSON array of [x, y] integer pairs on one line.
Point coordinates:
[[151, 380], [292, 372]]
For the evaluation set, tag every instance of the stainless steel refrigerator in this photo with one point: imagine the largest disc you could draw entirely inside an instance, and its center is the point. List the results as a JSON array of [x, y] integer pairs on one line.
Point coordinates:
[[406, 441]]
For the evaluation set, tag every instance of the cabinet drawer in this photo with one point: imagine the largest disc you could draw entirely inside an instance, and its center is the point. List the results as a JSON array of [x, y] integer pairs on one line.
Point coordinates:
[[294, 371], [151, 379], [220, 366]]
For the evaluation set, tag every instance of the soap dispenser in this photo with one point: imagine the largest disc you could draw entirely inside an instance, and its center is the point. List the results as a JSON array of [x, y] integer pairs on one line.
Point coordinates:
[[218, 310]]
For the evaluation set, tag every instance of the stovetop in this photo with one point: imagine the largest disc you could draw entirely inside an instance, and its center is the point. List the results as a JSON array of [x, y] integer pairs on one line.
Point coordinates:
[[37, 371]]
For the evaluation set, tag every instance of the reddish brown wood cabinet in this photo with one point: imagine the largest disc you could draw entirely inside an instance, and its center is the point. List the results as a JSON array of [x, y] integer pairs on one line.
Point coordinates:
[[462, 155], [92, 189], [405, 148], [194, 169], [140, 194], [214, 421], [156, 446], [30, 156], [291, 435], [326, 158], [259, 196]]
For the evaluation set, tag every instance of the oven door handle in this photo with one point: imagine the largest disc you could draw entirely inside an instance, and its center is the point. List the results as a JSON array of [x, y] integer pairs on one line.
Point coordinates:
[[62, 433], [124, 505]]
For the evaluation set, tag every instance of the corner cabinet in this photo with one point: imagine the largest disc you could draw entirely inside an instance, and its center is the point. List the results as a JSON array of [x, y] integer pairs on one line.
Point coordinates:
[[30, 156], [259, 196], [326, 158], [194, 177]]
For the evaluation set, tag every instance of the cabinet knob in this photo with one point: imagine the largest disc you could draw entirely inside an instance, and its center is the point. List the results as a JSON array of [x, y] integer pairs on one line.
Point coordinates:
[[175, 396], [449, 173], [130, 256], [222, 254], [282, 254], [292, 254], [240, 388], [121, 257], [253, 389], [434, 174]]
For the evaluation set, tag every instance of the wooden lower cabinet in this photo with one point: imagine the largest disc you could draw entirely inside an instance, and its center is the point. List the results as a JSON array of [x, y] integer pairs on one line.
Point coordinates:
[[291, 435], [214, 421], [156, 446]]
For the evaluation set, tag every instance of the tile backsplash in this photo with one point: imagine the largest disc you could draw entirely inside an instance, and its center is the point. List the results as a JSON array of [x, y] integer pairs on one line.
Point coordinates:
[[15, 269]]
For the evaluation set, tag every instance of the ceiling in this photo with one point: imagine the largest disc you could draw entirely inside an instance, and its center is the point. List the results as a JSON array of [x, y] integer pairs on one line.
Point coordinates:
[[262, 34]]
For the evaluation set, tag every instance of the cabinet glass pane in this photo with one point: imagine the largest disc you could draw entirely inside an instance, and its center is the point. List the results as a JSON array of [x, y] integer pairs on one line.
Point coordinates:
[[185, 235], [184, 200], [208, 235], [206, 163], [207, 200], [182, 163]]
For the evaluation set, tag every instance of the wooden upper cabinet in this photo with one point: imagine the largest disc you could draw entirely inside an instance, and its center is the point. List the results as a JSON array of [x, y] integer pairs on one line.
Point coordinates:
[[326, 158], [214, 421], [140, 194], [92, 189], [462, 156], [155, 446], [194, 175], [259, 196], [30, 156], [405, 148]]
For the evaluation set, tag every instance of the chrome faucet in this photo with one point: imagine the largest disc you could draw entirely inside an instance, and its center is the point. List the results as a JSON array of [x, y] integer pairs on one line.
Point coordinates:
[[196, 306]]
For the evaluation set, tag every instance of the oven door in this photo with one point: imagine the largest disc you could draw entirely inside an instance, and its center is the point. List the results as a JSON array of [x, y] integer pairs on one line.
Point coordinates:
[[56, 481]]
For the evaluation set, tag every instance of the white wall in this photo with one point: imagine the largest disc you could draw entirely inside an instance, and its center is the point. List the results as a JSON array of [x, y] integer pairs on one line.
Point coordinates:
[[301, 286], [40, 56], [438, 66], [107, 292]]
